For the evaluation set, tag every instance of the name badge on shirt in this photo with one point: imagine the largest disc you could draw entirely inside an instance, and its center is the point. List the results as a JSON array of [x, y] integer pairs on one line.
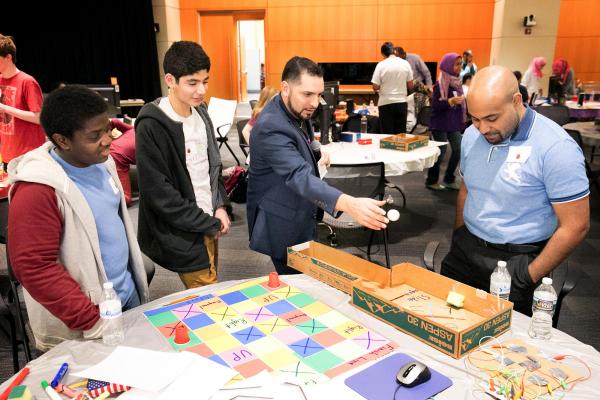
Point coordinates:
[[518, 154], [113, 185]]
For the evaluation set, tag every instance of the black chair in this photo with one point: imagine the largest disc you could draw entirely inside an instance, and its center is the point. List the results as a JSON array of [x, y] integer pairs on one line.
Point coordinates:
[[424, 118], [12, 299], [352, 124], [564, 277], [7, 314], [557, 113], [593, 175], [358, 180], [253, 104], [245, 147]]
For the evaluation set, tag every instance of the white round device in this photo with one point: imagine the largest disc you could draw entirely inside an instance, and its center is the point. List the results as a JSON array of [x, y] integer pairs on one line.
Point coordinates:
[[393, 215]]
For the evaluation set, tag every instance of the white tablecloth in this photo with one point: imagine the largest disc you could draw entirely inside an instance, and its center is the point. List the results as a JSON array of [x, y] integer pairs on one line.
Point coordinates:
[[396, 162], [140, 333], [590, 135]]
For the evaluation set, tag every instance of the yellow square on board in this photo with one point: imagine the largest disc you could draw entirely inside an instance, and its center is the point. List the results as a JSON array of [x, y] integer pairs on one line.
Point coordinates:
[[210, 304], [245, 306], [279, 359], [273, 325], [347, 350], [316, 309], [241, 286], [222, 343], [210, 332], [222, 314], [350, 329], [265, 345], [333, 318]]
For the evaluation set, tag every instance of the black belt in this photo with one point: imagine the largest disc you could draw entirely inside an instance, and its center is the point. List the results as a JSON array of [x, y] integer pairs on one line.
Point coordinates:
[[512, 248]]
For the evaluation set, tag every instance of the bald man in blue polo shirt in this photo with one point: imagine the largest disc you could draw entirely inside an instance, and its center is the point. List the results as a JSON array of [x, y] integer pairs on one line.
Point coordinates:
[[524, 196]]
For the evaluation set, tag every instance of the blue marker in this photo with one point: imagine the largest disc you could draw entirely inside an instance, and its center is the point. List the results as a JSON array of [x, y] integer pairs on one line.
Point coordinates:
[[62, 371]]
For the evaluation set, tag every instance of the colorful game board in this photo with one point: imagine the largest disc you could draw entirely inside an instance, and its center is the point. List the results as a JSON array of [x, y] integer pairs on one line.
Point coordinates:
[[252, 327]]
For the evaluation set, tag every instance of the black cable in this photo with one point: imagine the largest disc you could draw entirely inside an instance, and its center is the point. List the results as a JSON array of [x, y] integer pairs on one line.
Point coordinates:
[[396, 391]]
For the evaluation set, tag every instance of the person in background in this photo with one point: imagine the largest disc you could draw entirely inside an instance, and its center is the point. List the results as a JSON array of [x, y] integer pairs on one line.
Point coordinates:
[[68, 227], [524, 198], [183, 203], [522, 88], [286, 196], [20, 105], [533, 76], [468, 66], [418, 66], [392, 80], [266, 94], [122, 150], [447, 120], [566, 76], [466, 82]]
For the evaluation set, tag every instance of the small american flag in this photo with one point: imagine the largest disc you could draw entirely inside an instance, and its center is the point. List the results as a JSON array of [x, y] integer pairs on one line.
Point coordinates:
[[94, 384], [111, 388]]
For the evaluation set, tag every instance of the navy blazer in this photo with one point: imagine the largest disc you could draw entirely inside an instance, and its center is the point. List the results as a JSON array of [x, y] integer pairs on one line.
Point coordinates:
[[285, 193]]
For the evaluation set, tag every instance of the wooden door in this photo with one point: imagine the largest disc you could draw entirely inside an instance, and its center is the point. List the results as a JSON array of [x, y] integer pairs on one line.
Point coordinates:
[[217, 38]]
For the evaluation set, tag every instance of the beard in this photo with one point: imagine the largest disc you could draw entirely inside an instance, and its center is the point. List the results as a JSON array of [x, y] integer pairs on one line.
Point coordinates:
[[497, 136], [297, 114]]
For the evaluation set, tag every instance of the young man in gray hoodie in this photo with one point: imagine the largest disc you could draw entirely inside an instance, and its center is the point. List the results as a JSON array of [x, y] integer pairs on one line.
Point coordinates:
[[68, 226]]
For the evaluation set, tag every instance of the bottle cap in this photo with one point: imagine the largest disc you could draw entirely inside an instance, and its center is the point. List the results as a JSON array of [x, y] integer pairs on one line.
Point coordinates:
[[107, 285], [547, 281], [502, 263]]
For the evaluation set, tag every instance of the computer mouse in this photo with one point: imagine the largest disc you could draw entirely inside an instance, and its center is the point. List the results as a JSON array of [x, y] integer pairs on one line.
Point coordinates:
[[413, 373]]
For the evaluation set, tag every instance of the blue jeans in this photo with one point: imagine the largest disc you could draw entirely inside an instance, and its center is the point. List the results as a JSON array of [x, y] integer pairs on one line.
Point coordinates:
[[454, 137]]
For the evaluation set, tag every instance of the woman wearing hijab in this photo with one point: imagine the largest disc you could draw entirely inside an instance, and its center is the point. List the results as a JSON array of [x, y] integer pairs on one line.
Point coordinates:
[[533, 76], [447, 120], [565, 74]]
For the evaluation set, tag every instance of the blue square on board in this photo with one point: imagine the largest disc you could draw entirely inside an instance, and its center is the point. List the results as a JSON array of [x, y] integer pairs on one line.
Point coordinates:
[[248, 335], [198, 321], [219, 360], [280, 307], [233, 297], [306, 347]]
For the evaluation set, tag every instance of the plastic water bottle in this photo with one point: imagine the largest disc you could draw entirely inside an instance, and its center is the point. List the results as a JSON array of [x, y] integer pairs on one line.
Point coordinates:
[[544, 303], [500, 281], [111, 313], [363, 124]]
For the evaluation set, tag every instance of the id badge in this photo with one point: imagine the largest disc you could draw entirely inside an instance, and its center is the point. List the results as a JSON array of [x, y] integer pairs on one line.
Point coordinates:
[[518, 154]]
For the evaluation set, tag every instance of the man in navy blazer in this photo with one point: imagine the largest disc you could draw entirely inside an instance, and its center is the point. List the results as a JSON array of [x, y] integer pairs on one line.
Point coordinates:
[[286, 197]]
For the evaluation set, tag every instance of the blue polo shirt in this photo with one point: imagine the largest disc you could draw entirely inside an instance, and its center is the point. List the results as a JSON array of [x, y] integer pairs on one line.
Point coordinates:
[[512, 185]]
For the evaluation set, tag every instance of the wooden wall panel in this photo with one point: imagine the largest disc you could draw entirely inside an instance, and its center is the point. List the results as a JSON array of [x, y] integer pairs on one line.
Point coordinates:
[[578, 37], [216, 5], [190, 25], [216, 39]]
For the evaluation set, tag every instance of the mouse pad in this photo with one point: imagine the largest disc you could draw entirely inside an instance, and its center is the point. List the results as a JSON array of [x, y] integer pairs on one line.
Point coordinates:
[[379, 381]]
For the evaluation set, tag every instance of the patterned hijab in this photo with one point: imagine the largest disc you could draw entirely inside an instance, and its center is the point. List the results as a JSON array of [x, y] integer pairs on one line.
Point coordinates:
[[561, 67], [536, 66]]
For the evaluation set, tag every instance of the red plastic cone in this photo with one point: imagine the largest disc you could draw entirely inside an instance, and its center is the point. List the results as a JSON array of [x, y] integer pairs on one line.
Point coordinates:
[[274, 280], [181, 334]]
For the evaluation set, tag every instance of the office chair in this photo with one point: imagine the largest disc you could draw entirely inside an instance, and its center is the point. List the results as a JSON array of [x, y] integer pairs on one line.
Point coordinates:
[[564, 277], [7, 314], [557, 113], [245, 147], [424, 118], [593, 175], [358, 180], [221, 113], [352, 124]]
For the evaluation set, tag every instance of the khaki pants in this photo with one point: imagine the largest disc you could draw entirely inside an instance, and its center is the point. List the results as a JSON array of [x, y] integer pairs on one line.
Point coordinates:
[[204, 276]]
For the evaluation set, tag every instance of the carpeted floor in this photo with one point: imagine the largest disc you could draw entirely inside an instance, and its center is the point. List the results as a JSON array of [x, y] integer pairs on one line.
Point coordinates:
[[428, 216]]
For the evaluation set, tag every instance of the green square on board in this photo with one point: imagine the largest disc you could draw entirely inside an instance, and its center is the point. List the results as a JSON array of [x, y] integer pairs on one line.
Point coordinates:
[[194, 340], [301, 300], [164, 318], [254, 291], [322, 361]]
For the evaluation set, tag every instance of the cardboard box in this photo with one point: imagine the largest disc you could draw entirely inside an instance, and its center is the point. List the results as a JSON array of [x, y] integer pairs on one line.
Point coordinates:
[[408, 297], [404, 142]]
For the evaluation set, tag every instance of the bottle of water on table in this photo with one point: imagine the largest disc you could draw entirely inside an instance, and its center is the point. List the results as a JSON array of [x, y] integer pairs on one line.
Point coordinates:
[[111, 314], [500, 281], [544, 303]]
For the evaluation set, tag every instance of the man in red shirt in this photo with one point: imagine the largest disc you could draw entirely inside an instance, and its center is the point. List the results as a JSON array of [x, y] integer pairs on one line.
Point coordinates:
[[20, 105]]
